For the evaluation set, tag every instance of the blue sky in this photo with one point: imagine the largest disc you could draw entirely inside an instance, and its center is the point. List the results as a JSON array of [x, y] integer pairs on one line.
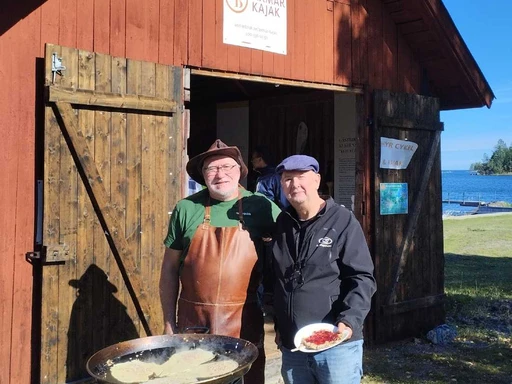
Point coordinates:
[[486, 27]]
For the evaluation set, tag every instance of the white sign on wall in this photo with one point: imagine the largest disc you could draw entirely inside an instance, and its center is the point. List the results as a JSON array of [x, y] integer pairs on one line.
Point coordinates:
[[257, 24], [345, 145], [396, 154]]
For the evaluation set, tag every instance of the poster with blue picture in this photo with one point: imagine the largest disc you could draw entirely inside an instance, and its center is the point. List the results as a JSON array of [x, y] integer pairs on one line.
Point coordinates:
[[394, 199]]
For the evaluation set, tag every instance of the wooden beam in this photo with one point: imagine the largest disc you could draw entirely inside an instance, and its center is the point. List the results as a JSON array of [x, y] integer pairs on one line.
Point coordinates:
[[411, 305], [110, 100], [93, 183], [277, 81], [403, 123], [413, 218]]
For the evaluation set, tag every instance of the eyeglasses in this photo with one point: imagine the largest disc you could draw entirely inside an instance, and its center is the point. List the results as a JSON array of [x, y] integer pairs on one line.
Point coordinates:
[[226, 168]]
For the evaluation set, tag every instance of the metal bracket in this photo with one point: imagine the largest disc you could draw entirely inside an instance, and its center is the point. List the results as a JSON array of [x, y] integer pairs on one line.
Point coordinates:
[[56, 253], [32, 256], [57, 66]]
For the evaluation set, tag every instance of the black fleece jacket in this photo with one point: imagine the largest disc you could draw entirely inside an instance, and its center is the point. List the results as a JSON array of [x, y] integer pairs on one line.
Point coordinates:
[[323, 272]]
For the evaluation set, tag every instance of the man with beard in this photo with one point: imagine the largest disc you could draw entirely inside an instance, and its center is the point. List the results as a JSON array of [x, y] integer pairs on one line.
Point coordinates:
[[323, 273], [214, 247]]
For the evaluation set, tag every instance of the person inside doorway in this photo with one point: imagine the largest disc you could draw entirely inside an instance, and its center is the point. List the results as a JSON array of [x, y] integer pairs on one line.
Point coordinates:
[[215, 248], [323, 273], [268, 182]]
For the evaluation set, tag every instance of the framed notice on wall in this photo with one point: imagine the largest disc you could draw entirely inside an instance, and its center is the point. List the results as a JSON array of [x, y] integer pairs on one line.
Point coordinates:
[[256, 24]]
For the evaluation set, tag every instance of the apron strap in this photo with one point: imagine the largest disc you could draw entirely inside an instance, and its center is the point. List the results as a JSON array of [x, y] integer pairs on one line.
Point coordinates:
[[207, 213]]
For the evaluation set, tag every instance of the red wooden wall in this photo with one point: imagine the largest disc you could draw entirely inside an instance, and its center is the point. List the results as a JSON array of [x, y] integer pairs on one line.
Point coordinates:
[[348, 42]]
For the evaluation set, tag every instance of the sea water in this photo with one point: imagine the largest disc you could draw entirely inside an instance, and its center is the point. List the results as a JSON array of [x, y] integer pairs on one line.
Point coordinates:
[[466, 185]]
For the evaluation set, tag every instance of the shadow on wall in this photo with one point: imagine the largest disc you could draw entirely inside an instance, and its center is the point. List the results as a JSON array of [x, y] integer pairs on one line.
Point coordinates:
[[12, 11], [98, 319]]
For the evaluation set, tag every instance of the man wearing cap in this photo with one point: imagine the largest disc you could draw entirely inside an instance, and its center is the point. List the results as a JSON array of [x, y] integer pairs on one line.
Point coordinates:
[[323, 273], [214, 247]]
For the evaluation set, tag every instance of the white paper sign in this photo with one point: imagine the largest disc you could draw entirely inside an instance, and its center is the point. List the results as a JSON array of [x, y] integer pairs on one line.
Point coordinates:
[[396, 154], [257, 24]]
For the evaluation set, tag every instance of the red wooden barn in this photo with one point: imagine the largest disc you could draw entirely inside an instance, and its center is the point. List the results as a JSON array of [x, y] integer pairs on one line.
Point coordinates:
[[102, 102]]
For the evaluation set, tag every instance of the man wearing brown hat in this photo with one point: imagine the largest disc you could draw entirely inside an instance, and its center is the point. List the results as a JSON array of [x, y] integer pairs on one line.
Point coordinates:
[[213, 245]]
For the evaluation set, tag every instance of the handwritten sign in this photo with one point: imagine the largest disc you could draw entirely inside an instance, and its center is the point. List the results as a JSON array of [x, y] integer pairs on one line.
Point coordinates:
[[396, 154]]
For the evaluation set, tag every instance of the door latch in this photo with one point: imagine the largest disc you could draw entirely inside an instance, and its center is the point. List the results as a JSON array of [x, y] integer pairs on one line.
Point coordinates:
[[57, 66]]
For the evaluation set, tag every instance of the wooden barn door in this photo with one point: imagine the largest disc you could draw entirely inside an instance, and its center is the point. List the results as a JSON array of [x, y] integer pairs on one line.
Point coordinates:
[[113, 161], [408, 248]]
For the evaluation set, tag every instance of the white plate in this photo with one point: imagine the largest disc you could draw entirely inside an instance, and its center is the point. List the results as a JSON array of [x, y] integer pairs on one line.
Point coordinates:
[[309, 329]]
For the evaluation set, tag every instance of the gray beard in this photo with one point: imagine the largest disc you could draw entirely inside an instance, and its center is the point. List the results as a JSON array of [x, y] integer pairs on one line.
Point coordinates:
[[223, 195]]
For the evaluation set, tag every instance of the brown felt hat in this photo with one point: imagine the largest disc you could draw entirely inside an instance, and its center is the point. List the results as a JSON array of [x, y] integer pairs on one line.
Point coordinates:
[[218, 148]]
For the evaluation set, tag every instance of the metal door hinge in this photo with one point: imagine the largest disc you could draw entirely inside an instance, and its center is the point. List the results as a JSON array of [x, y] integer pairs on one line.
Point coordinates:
[[32, 256], [50, 254]]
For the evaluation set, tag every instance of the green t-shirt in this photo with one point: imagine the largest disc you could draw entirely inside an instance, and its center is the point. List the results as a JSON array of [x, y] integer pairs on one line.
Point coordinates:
[[259, 216]]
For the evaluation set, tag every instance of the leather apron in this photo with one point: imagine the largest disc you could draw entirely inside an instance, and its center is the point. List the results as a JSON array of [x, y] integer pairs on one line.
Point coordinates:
[[220, 276]]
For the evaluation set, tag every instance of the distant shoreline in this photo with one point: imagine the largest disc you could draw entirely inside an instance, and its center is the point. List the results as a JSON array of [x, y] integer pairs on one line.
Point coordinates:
[[464, 217]]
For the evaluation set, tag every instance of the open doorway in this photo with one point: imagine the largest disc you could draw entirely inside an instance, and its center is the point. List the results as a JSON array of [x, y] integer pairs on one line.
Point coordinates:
[[284, 118]]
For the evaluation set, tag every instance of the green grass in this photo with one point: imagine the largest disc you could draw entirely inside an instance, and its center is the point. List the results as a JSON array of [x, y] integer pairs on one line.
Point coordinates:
[[478, 270]]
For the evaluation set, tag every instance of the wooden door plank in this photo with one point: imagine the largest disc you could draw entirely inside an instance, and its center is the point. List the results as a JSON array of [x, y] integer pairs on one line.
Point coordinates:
[[118, 183], [118, 28], [160, 183], [85, 26], [329, 44], [307, 22], [67, 22], [68, 196], [208, 34], [195, 22], [342, 34], [290, 40], [390, 54], [49, 25], [51, 234], [267, 66], [317, 14], [221, 49], [80, 341], [166, 40], [181, 32], [101, 159], [177, 140], [102, 26], [134, 23], [97, 193], [147, 206], [152, 13], [133, 169], [374, 23], [299, 45], [9, 158], [110, 99]]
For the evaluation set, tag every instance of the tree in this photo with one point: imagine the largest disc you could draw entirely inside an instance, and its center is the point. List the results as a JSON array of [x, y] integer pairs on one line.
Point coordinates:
[[500, 161]]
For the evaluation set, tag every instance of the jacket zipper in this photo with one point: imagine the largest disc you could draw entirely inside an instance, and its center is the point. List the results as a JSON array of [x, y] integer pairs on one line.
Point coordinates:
[[290, 305]]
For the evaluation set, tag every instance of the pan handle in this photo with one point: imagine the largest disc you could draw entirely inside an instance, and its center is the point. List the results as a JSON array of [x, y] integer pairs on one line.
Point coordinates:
[[196, 330]]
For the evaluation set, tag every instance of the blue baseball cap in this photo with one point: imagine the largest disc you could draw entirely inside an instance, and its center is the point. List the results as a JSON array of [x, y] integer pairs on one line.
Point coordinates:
[[298, 163]]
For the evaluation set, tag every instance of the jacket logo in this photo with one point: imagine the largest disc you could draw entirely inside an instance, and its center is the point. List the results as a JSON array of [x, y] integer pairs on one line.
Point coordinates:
[[325, 242]]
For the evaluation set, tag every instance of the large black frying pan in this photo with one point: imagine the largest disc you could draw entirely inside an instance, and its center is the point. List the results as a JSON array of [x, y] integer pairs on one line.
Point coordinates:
[[162, 347]]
